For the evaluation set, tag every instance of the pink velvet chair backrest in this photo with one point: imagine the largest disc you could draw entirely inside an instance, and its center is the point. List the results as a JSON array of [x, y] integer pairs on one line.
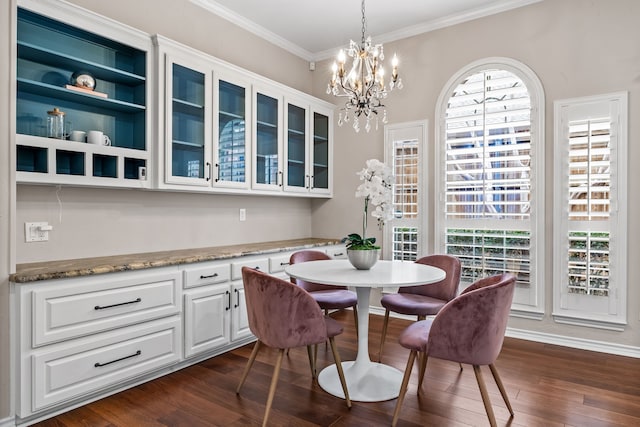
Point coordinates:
[[447, 288], [470, 328], [310, 255], [281, 314]]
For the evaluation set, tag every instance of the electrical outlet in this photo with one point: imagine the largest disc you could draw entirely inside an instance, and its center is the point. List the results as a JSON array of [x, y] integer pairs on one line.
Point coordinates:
[[36, 231], [243, 214]]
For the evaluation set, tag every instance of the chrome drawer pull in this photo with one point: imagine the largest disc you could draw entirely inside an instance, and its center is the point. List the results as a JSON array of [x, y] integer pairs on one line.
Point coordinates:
[[98, 364], [209, 276], [102, 307]]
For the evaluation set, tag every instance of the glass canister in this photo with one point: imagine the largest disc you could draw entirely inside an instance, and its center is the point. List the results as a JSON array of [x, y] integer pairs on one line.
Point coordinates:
[[55, 124]]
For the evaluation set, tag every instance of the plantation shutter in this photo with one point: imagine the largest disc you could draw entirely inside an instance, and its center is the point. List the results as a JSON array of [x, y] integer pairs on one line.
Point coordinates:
[[590, 214], [488, 175], [589, 187], [403, 154]]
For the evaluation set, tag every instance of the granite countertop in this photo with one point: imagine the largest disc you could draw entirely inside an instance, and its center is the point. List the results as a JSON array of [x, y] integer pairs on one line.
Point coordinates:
[[32, 272]]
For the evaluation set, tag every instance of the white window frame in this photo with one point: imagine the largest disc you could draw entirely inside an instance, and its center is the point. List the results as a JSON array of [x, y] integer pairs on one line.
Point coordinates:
[[604, 312], [407, 131], [529, 300]]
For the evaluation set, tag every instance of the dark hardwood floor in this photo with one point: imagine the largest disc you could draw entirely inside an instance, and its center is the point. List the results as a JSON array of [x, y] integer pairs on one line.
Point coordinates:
[[547, 385]]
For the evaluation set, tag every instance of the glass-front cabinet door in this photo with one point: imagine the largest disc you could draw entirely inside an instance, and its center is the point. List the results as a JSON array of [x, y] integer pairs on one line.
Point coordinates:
[[188, 154], [321, 151], [297, 177], [231, 131], [267, 158]]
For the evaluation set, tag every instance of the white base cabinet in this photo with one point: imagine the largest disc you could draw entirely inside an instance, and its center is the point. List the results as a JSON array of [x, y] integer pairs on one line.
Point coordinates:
[[76, 337], [70, 370], [80, 339]]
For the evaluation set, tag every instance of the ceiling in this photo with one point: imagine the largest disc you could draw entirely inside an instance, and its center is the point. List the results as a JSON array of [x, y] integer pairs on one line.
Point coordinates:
[[317, 29]]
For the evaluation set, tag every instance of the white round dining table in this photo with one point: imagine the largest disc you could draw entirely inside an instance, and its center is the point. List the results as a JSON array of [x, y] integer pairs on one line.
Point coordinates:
[[367, 381]]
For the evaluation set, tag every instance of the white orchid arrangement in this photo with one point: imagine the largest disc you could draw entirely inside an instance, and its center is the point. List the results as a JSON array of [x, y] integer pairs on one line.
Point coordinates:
[[376, 189]]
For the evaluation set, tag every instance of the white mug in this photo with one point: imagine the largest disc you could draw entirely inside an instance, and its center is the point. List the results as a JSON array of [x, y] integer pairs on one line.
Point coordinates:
[[78, 135], [98, 138]]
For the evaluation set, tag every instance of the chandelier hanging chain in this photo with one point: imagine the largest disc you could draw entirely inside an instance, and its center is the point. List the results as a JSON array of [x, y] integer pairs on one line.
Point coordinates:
[[364, 24], [364, 85]]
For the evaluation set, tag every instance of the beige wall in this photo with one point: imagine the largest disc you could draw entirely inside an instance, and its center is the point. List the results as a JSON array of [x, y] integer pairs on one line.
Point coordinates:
[[576, 47], [558, 39]]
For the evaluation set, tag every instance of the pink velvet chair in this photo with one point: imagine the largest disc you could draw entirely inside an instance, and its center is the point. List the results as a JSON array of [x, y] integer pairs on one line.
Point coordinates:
[[423, 300], [469, 329], [282, 316], [328, 297]]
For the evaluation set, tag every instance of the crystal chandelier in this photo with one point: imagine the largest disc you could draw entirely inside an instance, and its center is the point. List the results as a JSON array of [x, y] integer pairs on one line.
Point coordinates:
[[364, 85]]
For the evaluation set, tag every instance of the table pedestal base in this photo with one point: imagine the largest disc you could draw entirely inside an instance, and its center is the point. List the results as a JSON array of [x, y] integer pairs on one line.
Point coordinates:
[[366, 381]]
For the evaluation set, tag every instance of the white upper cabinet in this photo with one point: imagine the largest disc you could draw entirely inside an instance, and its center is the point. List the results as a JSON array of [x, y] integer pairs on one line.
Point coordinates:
[[267, 162], [218, 128], [224, 129], [187, 122], [105, 134], [232, 130]]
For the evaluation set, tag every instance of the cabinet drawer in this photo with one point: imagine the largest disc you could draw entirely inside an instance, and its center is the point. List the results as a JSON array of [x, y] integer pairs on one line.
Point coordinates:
[[207, 275], [82, 366], [92, 305], [278, 263], [261, 264]]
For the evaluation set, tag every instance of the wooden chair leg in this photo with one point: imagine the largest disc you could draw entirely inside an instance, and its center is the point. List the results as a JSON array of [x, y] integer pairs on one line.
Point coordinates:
[[343, 381], [249, 364], [384, 334], [312, 360], [423, 368], [355, 319], [485, 396], [272, 387], [403, 387], [503, 392]]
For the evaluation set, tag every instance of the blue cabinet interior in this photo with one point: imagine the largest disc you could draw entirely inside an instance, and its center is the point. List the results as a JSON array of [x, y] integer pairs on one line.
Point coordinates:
[[231, 132], [49, 52], [320, 150], [296, 143], [266, 139], [188, 110]]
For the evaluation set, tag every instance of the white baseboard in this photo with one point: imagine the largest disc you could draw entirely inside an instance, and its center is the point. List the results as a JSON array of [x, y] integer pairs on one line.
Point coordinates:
[[579, 343], [8, 422], [562, 340]]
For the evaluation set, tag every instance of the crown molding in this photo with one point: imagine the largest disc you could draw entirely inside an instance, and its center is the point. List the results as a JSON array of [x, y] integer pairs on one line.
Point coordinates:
[[254, 28], [447, 21]]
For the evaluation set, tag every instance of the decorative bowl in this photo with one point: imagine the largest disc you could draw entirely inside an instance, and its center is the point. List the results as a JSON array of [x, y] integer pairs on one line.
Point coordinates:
[[363, 259]]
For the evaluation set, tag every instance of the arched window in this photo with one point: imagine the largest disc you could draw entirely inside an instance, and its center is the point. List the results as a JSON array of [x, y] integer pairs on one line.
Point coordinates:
[[489, 153]]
